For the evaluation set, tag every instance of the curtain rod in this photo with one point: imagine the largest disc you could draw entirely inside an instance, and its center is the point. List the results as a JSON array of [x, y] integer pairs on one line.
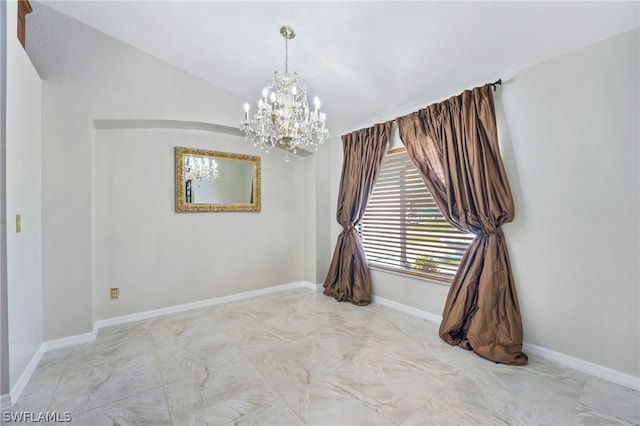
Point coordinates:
[[495, 85]]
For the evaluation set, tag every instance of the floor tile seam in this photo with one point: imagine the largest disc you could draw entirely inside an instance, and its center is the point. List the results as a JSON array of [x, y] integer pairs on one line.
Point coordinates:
[[277, 398], [580, 392], [64, 369], [428, 400], [119, 365], [174, 380], [315, 378], [109, 342], [114, 401], [181, 379], [166, 403], [259, 371], [503, 414], [155, 354], [458, 370], [293, 409], [66, 361], [155, 320], [30, 393], [274, 397], [410, 414], [162, 379], [55, 362], [556, 380], [600, 411]]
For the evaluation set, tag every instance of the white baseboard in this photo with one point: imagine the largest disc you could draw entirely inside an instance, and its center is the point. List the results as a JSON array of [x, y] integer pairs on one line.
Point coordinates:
[[22, 381], [588, 367], [169, 310], [597, 370], [65, 342], [5, 401], [408, 309], [318, 288]]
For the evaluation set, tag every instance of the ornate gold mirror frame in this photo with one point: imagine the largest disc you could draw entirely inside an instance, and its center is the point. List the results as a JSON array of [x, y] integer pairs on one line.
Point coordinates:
[[230, 182]]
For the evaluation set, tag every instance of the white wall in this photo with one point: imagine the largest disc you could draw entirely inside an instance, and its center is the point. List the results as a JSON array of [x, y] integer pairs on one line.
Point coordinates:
[[23, 196], [161, 258], [568, 132]]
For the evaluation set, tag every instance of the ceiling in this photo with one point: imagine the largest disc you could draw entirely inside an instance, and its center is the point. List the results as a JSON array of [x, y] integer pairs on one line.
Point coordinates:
[[367, 61]]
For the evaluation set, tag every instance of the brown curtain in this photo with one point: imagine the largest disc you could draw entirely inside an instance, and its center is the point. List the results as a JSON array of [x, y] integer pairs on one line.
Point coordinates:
[[348, 278], [454, 145]]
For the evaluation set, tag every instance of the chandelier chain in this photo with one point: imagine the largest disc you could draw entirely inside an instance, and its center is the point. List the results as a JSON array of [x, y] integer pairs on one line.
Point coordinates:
[[286, 55]]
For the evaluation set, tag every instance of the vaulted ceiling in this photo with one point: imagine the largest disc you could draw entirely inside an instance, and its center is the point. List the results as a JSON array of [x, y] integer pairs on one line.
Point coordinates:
[[367, 61]]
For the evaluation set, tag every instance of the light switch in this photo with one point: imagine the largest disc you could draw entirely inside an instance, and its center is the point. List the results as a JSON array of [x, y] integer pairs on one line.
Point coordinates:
[[18, 224]]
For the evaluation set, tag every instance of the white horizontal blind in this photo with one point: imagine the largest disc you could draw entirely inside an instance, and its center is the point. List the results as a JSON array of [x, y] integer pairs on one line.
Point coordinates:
[[402, 228]]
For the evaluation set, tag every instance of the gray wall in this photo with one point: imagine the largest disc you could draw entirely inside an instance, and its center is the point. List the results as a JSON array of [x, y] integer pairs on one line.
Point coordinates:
[[570, 143], [325, 212]]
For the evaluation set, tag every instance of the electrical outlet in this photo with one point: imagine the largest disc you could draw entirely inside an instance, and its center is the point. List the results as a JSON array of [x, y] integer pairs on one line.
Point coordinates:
[[115, 293]]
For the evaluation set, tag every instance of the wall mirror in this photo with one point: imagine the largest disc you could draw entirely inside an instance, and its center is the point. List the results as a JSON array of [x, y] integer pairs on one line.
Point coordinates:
[[212, 181]]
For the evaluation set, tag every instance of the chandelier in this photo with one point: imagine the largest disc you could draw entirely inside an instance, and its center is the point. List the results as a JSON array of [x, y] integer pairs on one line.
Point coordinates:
[[283, 115], [201, 168]]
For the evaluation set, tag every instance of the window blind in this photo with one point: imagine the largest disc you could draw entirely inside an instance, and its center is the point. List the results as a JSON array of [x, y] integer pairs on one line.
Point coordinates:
[[402, 228]]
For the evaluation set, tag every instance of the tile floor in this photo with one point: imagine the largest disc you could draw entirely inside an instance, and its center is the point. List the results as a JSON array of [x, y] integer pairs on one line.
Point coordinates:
[[302, 358]]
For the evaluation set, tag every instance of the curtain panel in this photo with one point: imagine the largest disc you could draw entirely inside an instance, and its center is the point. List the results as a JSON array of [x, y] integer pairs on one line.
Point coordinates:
[[348, 277], [454, 145]]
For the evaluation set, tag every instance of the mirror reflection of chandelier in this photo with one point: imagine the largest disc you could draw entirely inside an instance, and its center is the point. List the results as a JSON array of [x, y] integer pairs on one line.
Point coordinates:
[[200, 168], [283, 115]]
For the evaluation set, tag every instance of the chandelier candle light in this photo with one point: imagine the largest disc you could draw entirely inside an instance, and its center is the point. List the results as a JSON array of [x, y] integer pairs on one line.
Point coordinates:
[[283, 115]]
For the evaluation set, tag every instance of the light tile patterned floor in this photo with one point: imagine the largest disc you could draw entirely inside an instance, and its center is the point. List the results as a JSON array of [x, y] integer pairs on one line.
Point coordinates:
[[302, 358]]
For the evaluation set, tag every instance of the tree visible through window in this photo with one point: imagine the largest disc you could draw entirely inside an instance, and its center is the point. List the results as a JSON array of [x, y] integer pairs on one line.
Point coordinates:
[[403, 229]]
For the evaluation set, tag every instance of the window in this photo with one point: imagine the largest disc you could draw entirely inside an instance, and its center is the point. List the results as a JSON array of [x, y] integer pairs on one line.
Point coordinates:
[[403, 229]]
